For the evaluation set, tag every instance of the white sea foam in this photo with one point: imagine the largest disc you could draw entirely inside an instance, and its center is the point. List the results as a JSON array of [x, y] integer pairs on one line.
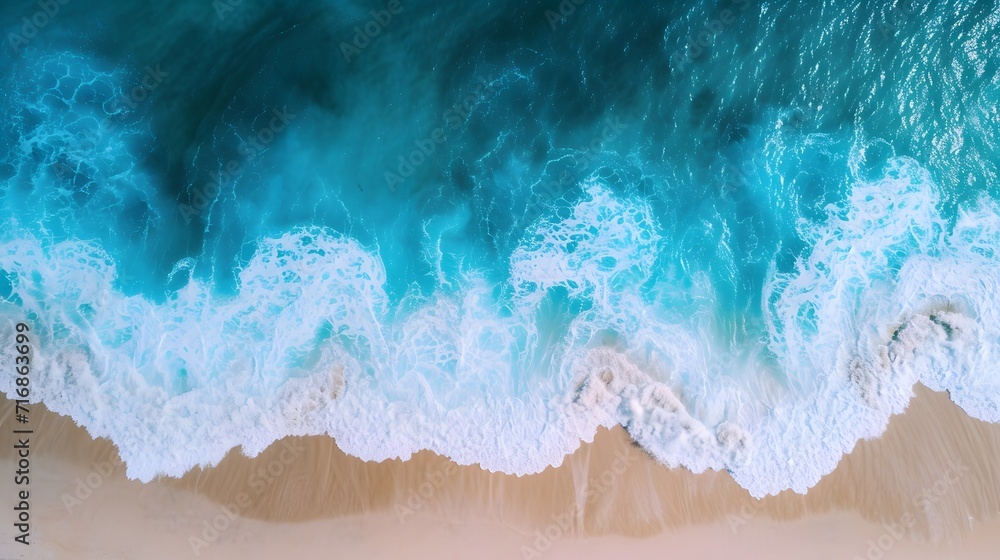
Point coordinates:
[[889, 294], [865, 334]]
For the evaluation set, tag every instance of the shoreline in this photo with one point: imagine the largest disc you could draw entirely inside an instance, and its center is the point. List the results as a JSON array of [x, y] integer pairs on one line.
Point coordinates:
[[928, 481]]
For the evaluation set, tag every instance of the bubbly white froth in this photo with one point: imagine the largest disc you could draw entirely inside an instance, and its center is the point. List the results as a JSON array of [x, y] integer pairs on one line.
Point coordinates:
[[888, 295]]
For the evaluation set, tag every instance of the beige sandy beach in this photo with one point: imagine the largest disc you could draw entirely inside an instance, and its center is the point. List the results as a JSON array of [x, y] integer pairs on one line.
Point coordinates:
[[926, 489]]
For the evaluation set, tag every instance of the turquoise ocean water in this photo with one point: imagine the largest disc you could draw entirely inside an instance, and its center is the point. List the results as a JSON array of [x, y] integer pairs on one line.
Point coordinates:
[[741, 229]]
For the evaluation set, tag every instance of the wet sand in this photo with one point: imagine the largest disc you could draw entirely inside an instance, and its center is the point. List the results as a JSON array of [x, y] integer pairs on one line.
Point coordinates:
[[927, 488]]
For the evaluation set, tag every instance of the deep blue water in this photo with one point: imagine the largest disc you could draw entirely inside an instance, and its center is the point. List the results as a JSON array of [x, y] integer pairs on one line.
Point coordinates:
[[743, 230]]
